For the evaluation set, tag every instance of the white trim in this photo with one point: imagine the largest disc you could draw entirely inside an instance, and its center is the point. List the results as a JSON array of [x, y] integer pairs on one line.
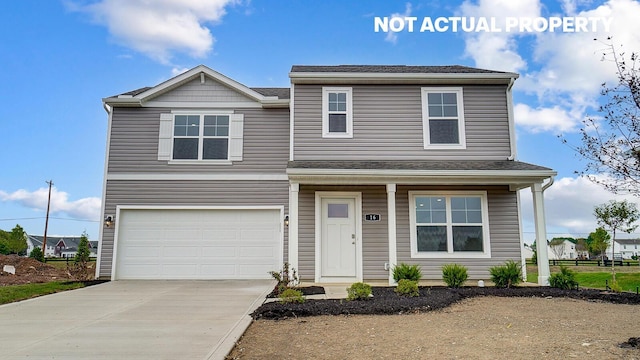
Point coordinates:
[[462, 143], [198, 176], [194, 73], [104, 190], [391, 224], [512, 125], [191, 111], [294, 191], [291, 123], [325, 112], [357, 196], [523, 260], [537, 192], [203, 105], [119, 208], [198, 162], [201, 137], [450, 254]]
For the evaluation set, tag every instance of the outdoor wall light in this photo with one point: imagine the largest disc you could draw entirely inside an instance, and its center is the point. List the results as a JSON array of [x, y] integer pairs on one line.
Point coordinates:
[[109, 220], [286, 220]]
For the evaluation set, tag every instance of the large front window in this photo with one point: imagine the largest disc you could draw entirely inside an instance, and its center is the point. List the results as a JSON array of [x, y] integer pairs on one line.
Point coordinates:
[[443, 118], [201, 137], [449, 225]]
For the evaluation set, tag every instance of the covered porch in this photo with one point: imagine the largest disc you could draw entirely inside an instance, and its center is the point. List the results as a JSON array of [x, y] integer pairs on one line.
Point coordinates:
[[378, 194]]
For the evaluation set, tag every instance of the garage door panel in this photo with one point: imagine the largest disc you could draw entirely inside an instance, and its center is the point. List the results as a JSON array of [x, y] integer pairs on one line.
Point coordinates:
[[198, 244]]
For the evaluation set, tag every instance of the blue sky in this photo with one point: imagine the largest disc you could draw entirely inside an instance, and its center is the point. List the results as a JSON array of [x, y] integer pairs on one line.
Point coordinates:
[[60, 58]]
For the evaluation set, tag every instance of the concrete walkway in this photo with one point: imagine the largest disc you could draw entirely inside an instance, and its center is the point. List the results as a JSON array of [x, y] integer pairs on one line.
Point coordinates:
[[132, 320]]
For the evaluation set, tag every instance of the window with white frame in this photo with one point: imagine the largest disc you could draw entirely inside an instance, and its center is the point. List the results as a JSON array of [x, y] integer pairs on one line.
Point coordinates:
[[337, 113], [201, 137], [443, 118], [453, 224]]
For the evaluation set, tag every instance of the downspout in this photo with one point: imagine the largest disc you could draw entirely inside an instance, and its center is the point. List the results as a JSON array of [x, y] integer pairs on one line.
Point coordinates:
[[108, 109], [547, 185], [512, 125]]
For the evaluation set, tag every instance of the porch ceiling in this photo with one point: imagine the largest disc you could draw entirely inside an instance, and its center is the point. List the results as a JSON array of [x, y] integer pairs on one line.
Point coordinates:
[[516, 174]]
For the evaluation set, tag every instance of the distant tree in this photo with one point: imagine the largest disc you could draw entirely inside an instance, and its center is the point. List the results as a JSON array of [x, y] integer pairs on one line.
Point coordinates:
[[611, 140], [599, 241], [557, 246], [37, 254], [14, 242], [617, 216]]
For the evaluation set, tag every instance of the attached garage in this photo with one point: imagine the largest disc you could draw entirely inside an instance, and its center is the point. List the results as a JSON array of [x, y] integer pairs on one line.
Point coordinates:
[[198, 243]]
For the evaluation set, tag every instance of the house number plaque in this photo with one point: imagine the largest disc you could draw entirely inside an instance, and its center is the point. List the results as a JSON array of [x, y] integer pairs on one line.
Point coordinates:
[[372, 217]]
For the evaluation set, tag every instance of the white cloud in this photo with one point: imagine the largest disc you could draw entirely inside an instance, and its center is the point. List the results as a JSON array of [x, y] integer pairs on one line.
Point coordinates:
[[565, 70], [553, 119], [498, 50], [569, 204], [392, 37], [161, 27], [86, 208]]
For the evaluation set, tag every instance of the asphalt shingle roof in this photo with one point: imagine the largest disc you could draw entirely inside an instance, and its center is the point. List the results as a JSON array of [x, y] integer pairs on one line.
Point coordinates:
[[281, 93], [393, 69], [419, 165]]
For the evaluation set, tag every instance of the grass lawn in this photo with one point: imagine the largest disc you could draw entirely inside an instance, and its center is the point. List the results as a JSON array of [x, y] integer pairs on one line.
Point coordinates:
[[595, 277], [13, 293]]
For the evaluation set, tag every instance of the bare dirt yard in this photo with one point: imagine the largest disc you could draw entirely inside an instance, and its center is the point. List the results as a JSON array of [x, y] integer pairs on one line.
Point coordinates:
[[29, 270], [484, 327]]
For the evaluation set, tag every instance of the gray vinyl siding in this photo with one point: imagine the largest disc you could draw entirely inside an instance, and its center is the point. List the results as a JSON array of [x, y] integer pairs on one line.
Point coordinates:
[[387, 125], [189, 193], [375, 248], [209, 92], [134, 143], [503, 226]]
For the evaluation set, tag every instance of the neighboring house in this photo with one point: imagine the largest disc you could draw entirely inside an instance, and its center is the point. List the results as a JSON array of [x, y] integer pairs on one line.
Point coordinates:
[[350, 171], [60, 246], [626, 248], [564, 250]]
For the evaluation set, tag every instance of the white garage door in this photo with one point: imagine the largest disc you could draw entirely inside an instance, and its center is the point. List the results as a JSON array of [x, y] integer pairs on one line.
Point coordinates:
[[198, 244]]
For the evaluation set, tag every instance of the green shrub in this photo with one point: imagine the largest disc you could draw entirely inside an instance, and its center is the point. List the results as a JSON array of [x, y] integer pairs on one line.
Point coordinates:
[[37, 254], [407, 287], [286, 278], [358, 291], [506, 275], [454, 275], [565, 279], [406, 271], [291, 296]]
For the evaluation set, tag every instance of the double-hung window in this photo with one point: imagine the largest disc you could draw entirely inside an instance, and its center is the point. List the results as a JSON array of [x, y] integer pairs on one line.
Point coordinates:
[[443, 118], [337, 113], [201, 137], [451, 224]]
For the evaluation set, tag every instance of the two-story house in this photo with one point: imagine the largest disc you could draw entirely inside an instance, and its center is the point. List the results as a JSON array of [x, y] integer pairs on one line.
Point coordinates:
[[350, 171]]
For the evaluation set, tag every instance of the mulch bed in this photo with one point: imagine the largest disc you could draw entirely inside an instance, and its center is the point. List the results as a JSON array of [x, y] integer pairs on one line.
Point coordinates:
[[306, 290], [385, 301]]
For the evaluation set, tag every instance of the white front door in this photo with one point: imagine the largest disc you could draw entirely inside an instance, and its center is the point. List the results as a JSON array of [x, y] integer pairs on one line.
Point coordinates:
[[338, 243]]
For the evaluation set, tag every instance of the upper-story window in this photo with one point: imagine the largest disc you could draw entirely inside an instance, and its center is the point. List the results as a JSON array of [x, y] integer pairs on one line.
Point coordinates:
[[337, 113], [201, 137], [443, 118], [187, 136]]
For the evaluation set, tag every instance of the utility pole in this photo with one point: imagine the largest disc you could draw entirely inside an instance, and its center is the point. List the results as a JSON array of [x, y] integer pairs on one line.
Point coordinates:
[[46, 222]]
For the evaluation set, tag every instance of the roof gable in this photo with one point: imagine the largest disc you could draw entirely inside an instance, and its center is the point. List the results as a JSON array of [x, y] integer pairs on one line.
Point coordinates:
[[214, 88]]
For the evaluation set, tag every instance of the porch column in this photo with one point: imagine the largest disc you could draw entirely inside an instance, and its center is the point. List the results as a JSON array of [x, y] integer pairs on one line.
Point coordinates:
[[391, 223], [541, 234], [294, 189]]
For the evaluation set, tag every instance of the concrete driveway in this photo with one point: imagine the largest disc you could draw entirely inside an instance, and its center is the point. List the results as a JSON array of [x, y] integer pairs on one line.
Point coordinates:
[[132, 320]]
